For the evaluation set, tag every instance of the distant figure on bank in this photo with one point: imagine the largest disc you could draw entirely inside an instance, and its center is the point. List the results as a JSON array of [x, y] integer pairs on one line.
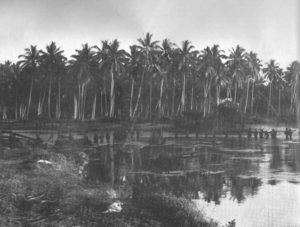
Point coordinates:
[[261, 134], [95, 138], [249, 133], [273, 134], [255, 133], [86, 141], [266, 134], [137, 135], [290, 134]]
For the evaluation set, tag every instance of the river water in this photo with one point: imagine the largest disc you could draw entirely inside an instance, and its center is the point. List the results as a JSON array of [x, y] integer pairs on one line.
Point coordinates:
[[254, 182]]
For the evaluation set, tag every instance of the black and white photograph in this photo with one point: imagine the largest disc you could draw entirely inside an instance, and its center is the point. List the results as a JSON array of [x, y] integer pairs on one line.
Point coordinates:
[[149, 113]]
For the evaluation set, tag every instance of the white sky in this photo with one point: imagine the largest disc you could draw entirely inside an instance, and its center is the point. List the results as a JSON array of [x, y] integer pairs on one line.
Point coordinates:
[[268, 27]]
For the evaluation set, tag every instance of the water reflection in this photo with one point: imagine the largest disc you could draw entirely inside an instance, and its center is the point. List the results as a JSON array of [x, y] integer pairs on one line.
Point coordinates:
[[225, 175]]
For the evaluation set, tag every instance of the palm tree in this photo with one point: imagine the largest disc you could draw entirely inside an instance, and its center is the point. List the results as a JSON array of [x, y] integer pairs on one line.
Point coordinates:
[[272, 72], [148, 50], [237, 67], [254, 66], [30, 63], [113, 59], [164, 68], [212, 70], [83, 64], [185, 54], [53, 63], [292, 77]]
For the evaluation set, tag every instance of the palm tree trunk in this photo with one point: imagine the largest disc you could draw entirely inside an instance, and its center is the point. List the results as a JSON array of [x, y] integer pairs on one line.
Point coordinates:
[[131, 97], [269, 102], [160, 97], [58, 110], [235, 91], [192, 99], [93, 117], [279, 102], [49, 97], [29, 99], [139, 95], [247, 94], [173, 97], [16, 106], [252, 97], [183, 96], [112, 94]]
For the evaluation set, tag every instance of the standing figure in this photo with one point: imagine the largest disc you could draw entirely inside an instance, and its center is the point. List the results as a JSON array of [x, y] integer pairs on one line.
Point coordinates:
[[290, 134], [273, 134], [95, 138], [286, 132], [107, 137], [255, 133], [261, 134], [266, 134]]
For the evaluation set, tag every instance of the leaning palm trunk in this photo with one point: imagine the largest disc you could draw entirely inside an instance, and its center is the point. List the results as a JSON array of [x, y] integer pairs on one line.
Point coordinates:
[[131, 96], [160, 97], [40, 105], [192, 99], [139, 96], [252, 96], [93, 116], [247, 94], [29, 99], [279, 102], [269, 102], [75, 115], [112, 94], [298, 102]]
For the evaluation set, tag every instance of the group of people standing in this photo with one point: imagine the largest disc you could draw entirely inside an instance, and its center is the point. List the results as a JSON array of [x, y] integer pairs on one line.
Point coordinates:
[[266, 134]]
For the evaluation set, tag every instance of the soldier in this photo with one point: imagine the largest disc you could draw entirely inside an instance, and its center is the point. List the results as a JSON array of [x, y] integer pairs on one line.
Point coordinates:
[[273, 134], [266, 134], [261, 134], [290, 134], [286, 132]]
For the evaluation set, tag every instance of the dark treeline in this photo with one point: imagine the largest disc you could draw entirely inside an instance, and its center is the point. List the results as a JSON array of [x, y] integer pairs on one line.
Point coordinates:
[[154, 80]]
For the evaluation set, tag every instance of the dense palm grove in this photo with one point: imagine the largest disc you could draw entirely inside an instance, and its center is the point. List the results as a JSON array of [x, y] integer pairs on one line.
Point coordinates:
[[154, 80]]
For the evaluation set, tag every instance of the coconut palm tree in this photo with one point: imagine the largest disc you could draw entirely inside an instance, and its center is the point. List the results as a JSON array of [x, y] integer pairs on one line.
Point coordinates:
[[254, 66], [185, 53], [149, 50], [272, 72], [164, 67], [30, 63], [292, 77], [83, 65], [53, 64], [212, 70], [113, 59], [237, 67]]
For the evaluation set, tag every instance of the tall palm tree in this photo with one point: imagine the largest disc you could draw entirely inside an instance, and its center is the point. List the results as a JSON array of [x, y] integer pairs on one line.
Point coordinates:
[[292, 78], [272, 72], [30, 62], [53, 63], [237, 66], [148, 50], [113, 59], [212, 70], [185, 54], [254, 66], [83, 64], [164, 67]]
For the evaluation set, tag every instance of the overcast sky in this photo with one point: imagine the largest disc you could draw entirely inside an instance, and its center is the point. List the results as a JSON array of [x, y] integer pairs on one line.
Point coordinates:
[[268, 27]]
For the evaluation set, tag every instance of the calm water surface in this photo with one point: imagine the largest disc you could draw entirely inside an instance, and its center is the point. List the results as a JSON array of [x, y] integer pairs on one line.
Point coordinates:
[[255, 182]]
